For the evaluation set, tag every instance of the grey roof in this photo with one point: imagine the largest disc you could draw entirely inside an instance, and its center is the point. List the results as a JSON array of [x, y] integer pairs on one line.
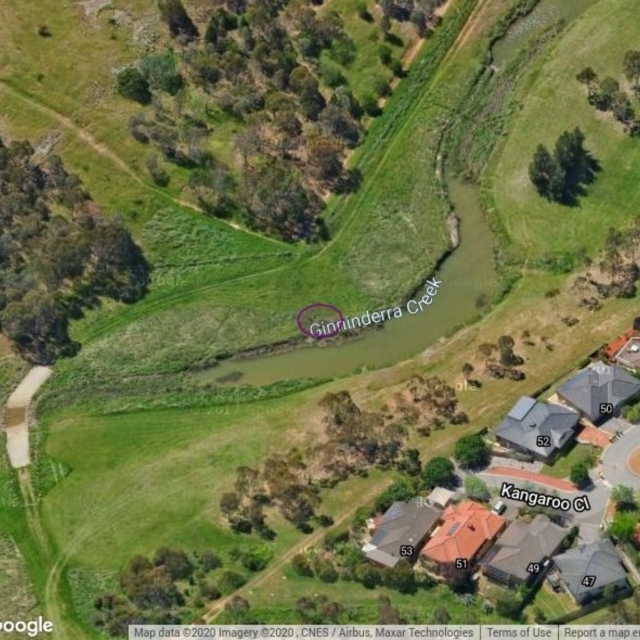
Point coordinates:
[[523, 543], [597, 384], [598, 559], [404, 523], [529, 419]]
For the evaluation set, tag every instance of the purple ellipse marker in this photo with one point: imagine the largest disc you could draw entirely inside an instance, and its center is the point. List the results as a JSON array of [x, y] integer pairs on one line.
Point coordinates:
[[313, 306]]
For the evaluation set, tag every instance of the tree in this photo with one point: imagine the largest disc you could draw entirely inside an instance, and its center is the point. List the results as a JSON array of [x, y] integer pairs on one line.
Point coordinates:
[[467, 370], [472, 452], [624, 498], [624, 526], [133, 86], [631, 66], [439, 471], [545, 174], [579, 475], [476, 488], [177, 19]]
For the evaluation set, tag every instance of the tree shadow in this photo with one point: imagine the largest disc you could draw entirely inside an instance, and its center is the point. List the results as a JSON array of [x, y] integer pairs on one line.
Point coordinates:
[[577, 180]]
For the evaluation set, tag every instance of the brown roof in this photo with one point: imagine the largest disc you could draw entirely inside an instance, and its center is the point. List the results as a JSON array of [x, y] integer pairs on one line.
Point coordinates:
[[465, 528]]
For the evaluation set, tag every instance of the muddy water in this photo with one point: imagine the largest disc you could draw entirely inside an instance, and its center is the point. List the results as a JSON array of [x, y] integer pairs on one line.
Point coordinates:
[[468, 281], [545, 14]]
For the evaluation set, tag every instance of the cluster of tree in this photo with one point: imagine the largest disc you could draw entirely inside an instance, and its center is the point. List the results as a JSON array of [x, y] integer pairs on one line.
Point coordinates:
[[356, 439], [606, 95], [421, 13], [159, 591], [562, 176], [282, 483], [264, 64], [506, 364], [349, 564], [436, 399], [55, 265], [319, 609]]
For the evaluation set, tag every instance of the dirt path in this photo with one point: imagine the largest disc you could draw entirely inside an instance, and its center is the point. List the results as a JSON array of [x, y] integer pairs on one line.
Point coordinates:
[[16, 419], [475, 20]]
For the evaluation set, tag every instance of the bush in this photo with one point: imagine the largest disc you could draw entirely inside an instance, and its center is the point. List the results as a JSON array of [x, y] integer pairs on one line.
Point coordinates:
[[302, 566], [157, 173], [331, 74], [326, 572], [370, 105], [333, 538], [230, 581], [161, 72], [133, 86]]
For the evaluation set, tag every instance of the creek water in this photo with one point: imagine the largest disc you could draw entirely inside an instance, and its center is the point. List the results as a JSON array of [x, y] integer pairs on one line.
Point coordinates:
[[468, 275], [468, 280], [523, 31]]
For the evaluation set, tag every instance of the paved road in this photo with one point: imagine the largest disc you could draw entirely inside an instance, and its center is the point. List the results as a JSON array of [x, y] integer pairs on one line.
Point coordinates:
[[614, 459], [20, 399], [598, 496]]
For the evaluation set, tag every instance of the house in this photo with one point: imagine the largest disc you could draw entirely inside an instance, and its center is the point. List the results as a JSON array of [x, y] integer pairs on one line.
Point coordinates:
[[537, 428], [466, 531], [521, 549], [401, 532], [614, 346], [588, 569], [628, 355], [440, 497], [600, 391]]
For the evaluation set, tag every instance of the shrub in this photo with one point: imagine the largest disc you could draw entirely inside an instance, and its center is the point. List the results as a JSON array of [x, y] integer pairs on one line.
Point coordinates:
[[133, 86]]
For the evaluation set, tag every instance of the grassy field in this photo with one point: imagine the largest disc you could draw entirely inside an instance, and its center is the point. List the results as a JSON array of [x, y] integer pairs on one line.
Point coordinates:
[[550, 100]]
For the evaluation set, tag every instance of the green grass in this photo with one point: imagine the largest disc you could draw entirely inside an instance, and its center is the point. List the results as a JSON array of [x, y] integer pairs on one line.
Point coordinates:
[[362, 604], [142, 480], [550, 100], [578, 454], [552, 604]]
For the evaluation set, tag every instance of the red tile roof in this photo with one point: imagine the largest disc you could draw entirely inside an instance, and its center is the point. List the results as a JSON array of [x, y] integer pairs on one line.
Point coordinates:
[[614, 346], [465, 528]]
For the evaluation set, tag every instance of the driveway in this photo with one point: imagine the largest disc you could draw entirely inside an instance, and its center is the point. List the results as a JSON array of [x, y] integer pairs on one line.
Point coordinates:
[[614, 459]]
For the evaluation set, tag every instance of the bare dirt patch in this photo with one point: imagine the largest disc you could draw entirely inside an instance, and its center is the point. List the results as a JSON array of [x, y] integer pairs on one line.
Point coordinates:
[[634, 462], [14, 416]]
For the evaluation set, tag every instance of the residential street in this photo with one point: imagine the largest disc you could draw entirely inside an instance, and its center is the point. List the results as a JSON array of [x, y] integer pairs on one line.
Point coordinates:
[[614, 459]]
